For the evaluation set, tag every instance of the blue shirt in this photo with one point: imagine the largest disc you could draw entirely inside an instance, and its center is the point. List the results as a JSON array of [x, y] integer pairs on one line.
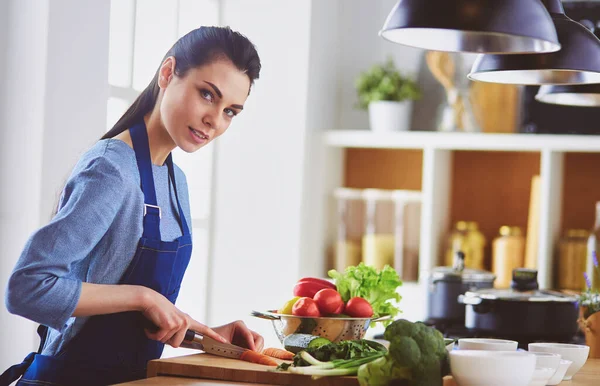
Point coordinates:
[[93, 237]]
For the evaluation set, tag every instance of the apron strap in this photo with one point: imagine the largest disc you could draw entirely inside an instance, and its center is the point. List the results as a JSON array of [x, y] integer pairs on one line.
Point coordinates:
[[182, 222], [152, 213], [16, 371]]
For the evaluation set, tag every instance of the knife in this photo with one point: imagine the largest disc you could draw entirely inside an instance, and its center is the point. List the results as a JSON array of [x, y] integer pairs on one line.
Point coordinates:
[[211, 346], [207, 344]]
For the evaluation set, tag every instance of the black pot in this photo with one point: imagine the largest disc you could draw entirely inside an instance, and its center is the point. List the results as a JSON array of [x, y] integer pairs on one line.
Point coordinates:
[[522, 313], [446, 284]]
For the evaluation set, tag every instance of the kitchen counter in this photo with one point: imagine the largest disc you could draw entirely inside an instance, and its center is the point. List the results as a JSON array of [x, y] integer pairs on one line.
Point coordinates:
[[180, 381], [589, 375]]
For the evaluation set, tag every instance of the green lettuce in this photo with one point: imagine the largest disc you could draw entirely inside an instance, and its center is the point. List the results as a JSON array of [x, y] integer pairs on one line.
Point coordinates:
[[378, 288]]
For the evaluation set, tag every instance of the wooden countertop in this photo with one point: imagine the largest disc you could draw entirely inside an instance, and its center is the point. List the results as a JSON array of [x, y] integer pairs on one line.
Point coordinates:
[[589, 375], [180, 381]]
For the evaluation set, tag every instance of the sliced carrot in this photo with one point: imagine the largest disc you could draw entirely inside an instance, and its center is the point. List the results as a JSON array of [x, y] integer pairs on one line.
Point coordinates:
[[278, 353], [256, 357]]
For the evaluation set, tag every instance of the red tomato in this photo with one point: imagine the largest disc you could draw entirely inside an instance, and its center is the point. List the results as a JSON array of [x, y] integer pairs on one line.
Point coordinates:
[[323, 282], [305, 307], [329, 301], [340, 309], [359, 308], [307, 288]]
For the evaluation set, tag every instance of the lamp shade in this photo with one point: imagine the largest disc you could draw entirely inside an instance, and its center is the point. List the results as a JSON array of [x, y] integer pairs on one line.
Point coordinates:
[[479, 26], [586, 95], [578, 61]]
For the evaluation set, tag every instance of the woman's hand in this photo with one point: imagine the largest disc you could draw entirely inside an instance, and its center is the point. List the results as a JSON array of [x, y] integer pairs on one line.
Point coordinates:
[[171, 322], [239, 334]]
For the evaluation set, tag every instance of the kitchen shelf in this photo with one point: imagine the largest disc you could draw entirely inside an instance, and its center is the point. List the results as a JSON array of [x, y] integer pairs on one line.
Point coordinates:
[[462, 141], [435, 162]]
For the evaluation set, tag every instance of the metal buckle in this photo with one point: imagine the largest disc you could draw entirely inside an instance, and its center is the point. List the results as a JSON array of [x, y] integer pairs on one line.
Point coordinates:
[[153, 206]]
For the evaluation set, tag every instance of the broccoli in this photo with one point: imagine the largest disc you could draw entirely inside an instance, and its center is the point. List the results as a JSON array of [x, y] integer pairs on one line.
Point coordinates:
[[417, 354], [340, 358]]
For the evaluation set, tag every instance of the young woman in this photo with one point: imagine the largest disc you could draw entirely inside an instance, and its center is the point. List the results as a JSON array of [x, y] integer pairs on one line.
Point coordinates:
[[103, 276]]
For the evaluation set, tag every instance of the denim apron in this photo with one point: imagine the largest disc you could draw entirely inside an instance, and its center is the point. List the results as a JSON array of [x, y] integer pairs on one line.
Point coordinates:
[[113, 348]]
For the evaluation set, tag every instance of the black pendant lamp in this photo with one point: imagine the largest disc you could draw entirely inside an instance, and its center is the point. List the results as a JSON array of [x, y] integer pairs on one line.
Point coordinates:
[[578, 61], [581, 95], [480, 26]]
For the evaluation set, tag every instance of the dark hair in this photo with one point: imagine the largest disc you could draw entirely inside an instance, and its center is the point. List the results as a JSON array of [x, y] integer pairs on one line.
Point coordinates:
[[197, 48]]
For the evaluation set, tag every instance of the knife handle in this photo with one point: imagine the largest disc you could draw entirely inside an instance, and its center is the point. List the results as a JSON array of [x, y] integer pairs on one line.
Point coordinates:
[[190, 335]]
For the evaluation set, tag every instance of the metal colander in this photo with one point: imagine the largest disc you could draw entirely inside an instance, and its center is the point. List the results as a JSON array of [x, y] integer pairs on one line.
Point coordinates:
[[333, 328]]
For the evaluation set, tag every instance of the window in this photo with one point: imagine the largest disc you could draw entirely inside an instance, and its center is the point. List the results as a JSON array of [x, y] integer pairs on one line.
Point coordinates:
[[141, 32]]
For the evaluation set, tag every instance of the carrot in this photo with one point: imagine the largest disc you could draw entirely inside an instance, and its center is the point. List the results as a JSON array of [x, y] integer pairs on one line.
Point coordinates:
[[256, 357], [278, 353]]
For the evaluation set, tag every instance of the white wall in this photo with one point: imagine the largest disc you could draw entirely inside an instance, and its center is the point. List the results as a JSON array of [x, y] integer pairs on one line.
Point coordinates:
[[54, 101], [76, 90], [361, 47], [323, 166], [258, 169], [21, 131]]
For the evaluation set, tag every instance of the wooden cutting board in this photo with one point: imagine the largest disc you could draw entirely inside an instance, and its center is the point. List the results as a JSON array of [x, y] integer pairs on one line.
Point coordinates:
[[213, 367]]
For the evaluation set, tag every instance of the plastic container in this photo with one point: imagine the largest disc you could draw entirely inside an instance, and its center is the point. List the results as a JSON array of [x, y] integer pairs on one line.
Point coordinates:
[[378, 245], [392, 230], [350, 228]]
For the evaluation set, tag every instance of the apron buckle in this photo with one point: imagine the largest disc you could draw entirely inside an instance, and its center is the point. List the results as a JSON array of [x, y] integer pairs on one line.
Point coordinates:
[[152, 206]]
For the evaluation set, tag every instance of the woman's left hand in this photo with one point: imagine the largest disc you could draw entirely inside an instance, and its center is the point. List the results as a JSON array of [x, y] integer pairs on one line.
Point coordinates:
[[239, 334]]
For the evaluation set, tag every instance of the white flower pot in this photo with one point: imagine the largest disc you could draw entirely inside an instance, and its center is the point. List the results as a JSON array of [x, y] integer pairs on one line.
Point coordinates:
[[390, 115]]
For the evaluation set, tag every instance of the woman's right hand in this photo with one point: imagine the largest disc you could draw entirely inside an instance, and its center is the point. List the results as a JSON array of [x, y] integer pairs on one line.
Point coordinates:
[[171, 322]]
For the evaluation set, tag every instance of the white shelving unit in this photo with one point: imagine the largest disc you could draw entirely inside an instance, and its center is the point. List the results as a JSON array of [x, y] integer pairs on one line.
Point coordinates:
[[437, 149]]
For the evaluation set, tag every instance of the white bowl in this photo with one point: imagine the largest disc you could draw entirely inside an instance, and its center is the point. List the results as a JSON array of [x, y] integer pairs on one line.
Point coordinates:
[[492, 368], [578, 354], [560, 373], [541, 376], [547, 359], [487, 344]]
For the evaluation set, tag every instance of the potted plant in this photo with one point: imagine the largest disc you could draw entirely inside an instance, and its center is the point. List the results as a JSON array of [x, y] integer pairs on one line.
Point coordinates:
[[388, 96], [589, 315]]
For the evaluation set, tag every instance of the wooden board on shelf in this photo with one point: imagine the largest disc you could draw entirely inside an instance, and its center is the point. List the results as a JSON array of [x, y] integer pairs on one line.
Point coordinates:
[[581, 190], [492, 189], [383, 169]]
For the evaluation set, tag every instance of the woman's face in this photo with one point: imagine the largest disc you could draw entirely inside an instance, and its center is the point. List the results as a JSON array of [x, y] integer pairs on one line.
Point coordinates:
[[199, 107]]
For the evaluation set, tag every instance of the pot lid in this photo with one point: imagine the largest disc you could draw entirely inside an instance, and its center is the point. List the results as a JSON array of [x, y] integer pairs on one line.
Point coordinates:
[[521, 296], [467, 274]]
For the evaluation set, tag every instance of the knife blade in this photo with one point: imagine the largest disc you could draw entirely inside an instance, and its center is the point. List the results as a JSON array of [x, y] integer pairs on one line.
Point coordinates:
[[211, 346]]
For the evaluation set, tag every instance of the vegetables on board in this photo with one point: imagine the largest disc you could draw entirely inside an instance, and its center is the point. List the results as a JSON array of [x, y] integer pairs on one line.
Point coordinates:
[[256, 357], [278, 353], [340, 358], [417, 354], [298, 342]]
